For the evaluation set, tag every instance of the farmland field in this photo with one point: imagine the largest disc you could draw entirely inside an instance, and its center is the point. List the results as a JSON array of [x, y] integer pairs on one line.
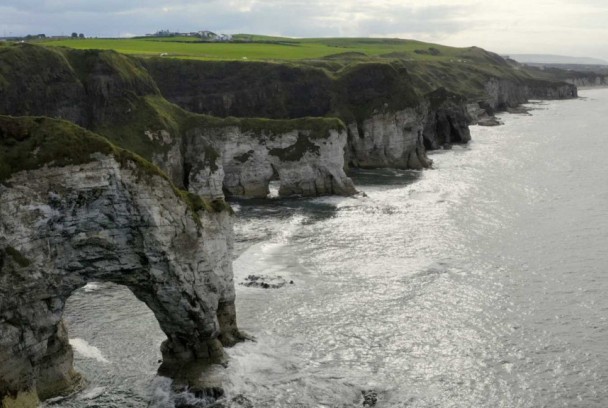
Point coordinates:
[[270, 48]]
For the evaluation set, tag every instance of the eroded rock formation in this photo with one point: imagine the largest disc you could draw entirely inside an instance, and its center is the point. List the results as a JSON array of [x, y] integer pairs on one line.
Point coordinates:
[[109, 216], [306, 161], [448, 120], [391, 139]]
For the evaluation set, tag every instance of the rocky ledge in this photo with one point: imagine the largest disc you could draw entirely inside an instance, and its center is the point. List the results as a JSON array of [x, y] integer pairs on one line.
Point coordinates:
[[75, 209]]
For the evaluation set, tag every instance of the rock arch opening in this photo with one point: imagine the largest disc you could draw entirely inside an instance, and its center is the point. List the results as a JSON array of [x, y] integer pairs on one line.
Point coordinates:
[[115, 339]]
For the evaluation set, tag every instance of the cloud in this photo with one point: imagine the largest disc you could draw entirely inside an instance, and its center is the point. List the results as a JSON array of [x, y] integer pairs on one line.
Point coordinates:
[[540, 26]]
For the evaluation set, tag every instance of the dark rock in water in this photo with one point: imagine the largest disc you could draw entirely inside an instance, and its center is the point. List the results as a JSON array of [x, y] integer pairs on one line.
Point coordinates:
[[519, 110], [370, 398], [265, 282], [490, 121]]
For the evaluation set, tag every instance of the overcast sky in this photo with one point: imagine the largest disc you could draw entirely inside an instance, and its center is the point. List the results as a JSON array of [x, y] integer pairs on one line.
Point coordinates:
[[505, 26]]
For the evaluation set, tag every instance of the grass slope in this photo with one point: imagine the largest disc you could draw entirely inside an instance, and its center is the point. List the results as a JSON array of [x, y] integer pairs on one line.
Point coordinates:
[[273, 48]]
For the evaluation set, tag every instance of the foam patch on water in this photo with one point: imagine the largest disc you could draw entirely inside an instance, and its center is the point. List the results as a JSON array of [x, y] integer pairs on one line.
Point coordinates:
[[92, 393], [161, 393], [86, 350], [92, 287], [163, 396]]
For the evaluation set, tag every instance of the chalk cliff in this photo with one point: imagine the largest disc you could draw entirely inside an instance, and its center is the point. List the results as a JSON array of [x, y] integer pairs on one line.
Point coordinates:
[[505, 93], [306, 156], [394, 110], [588, 81], [391, 139], [115, 96], [74, 209]]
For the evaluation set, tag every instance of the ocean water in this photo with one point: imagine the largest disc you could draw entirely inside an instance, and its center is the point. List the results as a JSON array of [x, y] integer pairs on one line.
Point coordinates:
[[480, 283]]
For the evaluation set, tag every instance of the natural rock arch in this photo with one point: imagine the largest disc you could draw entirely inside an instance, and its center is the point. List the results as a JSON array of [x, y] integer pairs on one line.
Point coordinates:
[[62, 227]]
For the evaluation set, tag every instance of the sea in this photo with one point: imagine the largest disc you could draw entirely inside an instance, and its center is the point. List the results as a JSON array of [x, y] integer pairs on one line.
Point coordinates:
[[482, 282]]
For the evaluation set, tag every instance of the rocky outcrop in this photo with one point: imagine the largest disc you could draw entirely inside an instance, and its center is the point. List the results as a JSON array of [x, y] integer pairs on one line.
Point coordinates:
[[447, 120], [306, 157], [503, 94], [391, 139], [588, 80], [104, 215]]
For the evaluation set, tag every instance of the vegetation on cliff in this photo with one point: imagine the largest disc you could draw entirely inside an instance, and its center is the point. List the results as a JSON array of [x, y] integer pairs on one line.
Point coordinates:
[[147, 105], [30, 143]]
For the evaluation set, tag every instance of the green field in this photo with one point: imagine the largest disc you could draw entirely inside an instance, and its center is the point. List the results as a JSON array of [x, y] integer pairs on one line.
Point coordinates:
[[257, 48]]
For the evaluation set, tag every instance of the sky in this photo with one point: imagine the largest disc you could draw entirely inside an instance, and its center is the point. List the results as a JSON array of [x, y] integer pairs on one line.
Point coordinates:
[[562, 27]]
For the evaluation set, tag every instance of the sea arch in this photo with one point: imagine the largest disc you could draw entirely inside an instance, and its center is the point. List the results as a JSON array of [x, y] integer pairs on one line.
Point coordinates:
[[63, 227]]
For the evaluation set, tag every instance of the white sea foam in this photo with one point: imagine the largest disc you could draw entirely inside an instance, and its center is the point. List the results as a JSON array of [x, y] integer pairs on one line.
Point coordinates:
[[161, 393], [92, 287], [86, 350], [92, 393]]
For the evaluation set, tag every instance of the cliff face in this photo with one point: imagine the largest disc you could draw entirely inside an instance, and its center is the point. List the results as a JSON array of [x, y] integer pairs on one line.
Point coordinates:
[[588, 81], [394, 110], [503, 94], [115, 96], [448, 120], [113, 217], [306, 162], [243, 89], [392, 139], [377, 102]]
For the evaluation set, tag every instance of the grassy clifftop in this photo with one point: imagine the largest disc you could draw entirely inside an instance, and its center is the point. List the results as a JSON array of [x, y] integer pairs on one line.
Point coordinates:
[[29, 143], [264, 48]]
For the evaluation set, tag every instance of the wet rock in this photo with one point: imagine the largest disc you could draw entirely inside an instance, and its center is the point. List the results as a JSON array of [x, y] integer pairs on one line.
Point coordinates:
[[489, 121], [519, 110], [265, 282], [370, 398]]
